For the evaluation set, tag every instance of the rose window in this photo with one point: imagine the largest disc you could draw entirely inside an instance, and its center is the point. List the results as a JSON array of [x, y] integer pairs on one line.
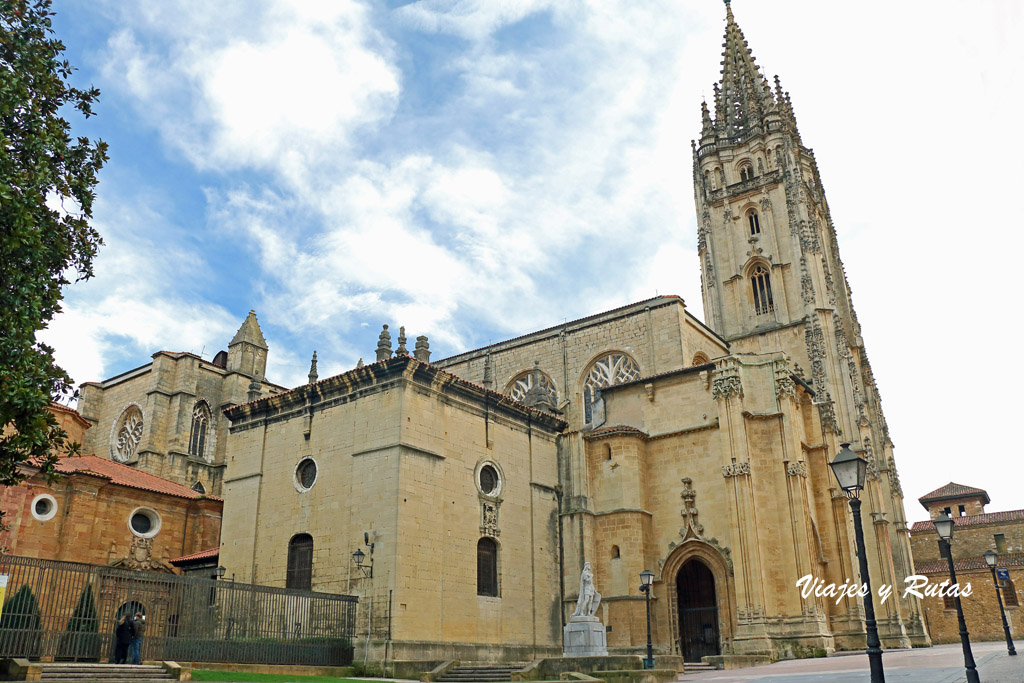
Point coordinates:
[[129, 434]]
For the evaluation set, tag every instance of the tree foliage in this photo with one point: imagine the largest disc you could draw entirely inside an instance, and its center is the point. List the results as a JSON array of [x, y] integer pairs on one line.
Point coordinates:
[[47, 181]]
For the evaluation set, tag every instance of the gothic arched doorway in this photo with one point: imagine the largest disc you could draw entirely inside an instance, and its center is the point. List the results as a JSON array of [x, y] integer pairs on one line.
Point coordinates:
[[698, 611]]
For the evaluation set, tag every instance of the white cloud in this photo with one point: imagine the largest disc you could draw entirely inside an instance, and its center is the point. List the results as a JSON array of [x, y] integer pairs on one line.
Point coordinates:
[[136, 304], [290, 83]]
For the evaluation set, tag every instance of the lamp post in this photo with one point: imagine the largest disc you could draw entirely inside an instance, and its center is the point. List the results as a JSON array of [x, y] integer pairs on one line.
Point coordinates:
[[991, 559], [646, 579], [851, 472], [944, 528]]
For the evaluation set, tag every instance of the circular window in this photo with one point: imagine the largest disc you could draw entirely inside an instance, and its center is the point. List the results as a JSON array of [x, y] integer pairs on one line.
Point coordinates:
[[44, 507], [489, 480], [144, 522], [305, 474]]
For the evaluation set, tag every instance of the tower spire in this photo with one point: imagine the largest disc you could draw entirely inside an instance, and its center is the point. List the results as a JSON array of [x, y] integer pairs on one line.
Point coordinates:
[[743, 97]]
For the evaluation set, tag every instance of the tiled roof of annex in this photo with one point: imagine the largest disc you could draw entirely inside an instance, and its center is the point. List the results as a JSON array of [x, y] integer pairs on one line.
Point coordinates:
[[123, 475], [963, 564], [952, 490], [201, 555], [972, 520]]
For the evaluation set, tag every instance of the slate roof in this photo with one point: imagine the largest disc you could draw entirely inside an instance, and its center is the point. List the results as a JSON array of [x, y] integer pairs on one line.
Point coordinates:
[[951, 491], [123, 475], [973, 520]]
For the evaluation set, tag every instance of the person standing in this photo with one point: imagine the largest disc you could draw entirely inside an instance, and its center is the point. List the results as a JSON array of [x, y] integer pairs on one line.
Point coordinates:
[[123, 635], [139, 631]]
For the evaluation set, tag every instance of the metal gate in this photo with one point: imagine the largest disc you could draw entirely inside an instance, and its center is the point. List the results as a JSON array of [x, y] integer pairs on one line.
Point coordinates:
[[68, 611], [698, 632]]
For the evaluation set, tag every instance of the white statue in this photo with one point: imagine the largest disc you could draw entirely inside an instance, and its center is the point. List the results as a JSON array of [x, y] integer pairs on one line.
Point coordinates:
[[590, 599]]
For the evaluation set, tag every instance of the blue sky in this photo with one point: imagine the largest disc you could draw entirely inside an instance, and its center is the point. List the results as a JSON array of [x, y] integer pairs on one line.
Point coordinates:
[[476, 169]]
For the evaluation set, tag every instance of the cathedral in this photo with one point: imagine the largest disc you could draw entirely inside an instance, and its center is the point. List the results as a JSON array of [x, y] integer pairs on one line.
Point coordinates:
[[461, 497]]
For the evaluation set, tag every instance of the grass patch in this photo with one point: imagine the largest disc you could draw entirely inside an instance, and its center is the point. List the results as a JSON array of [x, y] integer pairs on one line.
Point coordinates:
[[239, 677]]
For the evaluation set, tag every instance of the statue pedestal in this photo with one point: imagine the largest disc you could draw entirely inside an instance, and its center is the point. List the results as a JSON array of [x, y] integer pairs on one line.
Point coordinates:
[[584, 637]]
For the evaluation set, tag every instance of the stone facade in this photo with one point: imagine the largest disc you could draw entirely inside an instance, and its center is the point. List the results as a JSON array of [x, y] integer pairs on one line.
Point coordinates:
[[974, 532], [638, 438], [400, 449], [165, 417]]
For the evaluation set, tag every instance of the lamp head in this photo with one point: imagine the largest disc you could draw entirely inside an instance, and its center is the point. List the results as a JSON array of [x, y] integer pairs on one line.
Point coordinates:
[[646, 577], [850, 470], [358, 556], [991, 557], [221, 571], [944, 526]]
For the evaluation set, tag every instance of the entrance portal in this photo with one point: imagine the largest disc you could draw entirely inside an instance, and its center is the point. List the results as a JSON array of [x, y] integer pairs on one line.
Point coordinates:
[[698, 611]]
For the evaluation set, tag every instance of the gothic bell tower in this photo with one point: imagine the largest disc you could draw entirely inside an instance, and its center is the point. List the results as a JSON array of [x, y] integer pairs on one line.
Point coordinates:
[[772, 279]]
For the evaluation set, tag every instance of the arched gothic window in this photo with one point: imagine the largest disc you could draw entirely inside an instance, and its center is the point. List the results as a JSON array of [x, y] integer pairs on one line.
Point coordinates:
[[127, 434], [523, 382], [487, 567], [300, 562], [199, 488], [754, 222], [612, 368], [200, 425], [747, 172], [700, 358], [760, 280]]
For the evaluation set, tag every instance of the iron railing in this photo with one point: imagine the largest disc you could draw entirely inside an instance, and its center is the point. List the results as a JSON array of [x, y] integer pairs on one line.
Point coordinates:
[[68, 611]]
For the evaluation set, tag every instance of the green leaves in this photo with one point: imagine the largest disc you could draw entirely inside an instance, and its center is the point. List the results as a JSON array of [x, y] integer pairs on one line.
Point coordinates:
[[43, 172]]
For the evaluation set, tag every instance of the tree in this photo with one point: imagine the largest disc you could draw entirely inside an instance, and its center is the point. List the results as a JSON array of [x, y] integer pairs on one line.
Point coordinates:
[[47, 181]]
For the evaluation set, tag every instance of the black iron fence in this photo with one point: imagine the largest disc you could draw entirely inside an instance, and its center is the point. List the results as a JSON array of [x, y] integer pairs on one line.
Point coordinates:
[[68, 611]]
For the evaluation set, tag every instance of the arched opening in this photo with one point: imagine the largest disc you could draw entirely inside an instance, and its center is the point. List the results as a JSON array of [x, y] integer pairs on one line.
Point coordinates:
[[487, 567], [698, 611], [200, 423], [760, 281], [299, 573]]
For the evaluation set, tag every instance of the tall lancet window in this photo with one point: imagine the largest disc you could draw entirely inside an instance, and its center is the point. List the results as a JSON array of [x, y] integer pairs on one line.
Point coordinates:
[[754, 221], [200, 425], [762, 284]]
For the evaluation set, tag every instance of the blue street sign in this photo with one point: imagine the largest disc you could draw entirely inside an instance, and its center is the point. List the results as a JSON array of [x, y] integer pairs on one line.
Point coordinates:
[[1003, 574]]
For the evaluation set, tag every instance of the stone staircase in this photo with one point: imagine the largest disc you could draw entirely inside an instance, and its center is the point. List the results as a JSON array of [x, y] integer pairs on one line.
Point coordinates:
[[697, 667], [105, 673], [482, 673]]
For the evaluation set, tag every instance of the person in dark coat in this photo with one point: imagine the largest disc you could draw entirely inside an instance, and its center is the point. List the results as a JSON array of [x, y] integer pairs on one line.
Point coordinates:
[[123, 636]]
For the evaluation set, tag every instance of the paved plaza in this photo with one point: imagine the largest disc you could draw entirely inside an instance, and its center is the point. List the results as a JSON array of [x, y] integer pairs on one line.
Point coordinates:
[[939, 664]]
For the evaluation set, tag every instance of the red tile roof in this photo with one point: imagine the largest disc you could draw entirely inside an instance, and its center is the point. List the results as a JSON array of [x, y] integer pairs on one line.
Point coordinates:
[[965, 564], [973, 520], [123, 475], [201, 555], [952, 490]]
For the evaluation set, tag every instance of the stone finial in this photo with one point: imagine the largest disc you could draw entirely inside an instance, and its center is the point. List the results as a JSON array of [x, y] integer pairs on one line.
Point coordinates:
[[402, 351], [422, 352], [488, 373], [360, 363], [312, 370], [537, 396], [384, 345], [255, 389]]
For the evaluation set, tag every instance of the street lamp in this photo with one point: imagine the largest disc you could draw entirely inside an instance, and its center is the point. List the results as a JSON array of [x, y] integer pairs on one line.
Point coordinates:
[[991, 558], [221, 571], [851, 471], [646, 579], [944, 527]]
